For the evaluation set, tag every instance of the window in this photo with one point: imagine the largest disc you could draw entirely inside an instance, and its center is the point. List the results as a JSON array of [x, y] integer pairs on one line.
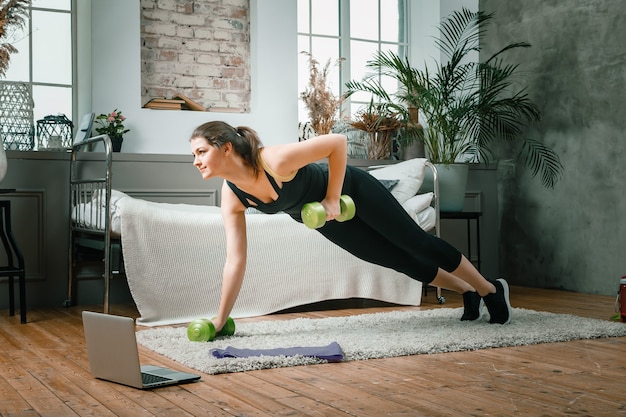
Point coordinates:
[[44, 59], [333, 29]]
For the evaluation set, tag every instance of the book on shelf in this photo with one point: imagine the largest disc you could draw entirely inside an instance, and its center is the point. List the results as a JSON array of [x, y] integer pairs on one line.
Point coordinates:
[[178, 102], [164, 104], [189, 103]]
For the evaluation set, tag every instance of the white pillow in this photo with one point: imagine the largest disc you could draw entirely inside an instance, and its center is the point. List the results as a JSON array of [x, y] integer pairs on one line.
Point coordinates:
[[426, 218], [410, 175], [98, 204], [116, 196], [418, 203]]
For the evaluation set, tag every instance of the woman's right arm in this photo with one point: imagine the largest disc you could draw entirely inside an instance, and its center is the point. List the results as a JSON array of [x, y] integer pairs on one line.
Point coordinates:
[[236, 251]]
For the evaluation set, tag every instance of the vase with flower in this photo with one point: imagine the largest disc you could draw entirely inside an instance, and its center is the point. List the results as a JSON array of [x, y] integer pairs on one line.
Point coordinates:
[[112, 124]]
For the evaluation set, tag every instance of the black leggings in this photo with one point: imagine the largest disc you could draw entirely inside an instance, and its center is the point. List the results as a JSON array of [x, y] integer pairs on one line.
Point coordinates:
[[383, 233]]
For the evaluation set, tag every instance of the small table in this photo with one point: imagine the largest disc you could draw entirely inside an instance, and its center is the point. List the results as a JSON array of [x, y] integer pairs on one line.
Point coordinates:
[[14, 255], [468, 216]]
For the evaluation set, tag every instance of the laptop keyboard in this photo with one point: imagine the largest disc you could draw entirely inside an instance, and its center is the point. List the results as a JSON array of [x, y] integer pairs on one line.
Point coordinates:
[[151, 379]]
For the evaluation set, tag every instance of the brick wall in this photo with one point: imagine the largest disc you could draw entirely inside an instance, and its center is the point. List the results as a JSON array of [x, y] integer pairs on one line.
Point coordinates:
[[200, 48]]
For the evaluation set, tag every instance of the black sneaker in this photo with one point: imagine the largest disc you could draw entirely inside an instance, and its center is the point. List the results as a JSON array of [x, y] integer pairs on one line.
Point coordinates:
[[472, 306], [498, 303]]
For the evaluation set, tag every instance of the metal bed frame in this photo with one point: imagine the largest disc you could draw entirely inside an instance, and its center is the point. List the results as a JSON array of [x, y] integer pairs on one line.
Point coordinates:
[[440, 298], [90, 185]]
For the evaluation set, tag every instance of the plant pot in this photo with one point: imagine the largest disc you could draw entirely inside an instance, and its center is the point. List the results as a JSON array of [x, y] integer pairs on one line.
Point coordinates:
[[116, 143], [381, 144], [452, 186], [414, 150]]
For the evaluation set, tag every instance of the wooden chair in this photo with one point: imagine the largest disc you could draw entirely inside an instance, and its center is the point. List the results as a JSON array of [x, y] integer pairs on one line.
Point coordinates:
[[15, 260]]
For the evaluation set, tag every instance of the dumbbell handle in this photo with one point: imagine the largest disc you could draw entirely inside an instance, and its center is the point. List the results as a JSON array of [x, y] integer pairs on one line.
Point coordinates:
[[314, 214]]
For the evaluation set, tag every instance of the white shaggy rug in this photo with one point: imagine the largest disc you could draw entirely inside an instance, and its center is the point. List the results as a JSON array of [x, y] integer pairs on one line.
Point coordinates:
[[378, 335]]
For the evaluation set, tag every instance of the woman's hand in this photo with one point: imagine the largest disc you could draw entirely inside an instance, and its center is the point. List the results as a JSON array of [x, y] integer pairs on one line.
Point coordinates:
[[218, 323], [332, 207]]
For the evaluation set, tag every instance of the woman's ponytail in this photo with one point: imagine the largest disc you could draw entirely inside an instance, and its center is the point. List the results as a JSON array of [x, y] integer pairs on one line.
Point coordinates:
[[250, 153]]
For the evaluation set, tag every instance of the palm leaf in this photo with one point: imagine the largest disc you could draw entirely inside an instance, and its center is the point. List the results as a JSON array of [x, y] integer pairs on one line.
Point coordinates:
[[542, 160]]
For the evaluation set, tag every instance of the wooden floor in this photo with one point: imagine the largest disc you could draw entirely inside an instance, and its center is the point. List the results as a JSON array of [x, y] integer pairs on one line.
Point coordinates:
[[44, 372]]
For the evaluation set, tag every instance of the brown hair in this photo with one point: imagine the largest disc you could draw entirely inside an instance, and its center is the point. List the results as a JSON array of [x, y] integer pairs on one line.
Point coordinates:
[[245, 140]]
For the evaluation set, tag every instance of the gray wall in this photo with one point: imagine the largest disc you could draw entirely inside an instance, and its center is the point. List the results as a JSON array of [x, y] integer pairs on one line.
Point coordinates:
[[572, 237]]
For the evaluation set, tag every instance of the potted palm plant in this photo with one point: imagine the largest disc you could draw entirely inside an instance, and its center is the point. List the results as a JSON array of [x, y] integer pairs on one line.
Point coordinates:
[[468, 105]]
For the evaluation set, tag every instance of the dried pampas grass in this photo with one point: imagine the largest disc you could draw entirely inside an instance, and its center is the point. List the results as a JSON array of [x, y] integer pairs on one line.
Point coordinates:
[[322, 104], [13, 15]]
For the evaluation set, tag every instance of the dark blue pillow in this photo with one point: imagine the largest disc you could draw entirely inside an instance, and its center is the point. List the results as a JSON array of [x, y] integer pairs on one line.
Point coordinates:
[[389, 184]]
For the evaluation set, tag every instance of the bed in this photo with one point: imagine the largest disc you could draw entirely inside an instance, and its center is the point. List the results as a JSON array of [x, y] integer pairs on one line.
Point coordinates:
[[172, 254]]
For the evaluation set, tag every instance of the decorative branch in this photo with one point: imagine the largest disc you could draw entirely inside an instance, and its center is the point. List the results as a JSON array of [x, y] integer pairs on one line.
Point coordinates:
[[319, 99], [13, 16]]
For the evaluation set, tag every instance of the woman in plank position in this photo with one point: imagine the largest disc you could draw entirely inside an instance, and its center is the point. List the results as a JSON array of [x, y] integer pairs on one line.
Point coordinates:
[[282, 178]]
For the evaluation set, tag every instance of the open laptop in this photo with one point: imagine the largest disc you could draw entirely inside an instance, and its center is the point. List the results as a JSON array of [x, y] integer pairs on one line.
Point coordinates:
[[113, 354]]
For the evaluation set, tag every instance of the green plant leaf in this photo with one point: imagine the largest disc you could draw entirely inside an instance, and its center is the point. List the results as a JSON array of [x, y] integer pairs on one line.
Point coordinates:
[[542, 160]]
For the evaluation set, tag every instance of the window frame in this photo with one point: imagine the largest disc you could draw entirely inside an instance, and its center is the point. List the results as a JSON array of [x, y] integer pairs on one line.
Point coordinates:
[[28, 30], [344, 39]]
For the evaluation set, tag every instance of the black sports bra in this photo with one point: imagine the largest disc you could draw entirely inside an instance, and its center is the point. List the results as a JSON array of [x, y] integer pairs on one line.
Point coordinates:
[[308, 184]]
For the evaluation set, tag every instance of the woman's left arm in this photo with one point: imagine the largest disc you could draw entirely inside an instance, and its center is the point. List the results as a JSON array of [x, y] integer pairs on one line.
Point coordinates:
[[285, 159]]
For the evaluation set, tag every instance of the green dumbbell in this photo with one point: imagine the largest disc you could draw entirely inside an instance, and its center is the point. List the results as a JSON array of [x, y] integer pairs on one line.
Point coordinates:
[[203, 330], [228, 329], [314, 215]]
